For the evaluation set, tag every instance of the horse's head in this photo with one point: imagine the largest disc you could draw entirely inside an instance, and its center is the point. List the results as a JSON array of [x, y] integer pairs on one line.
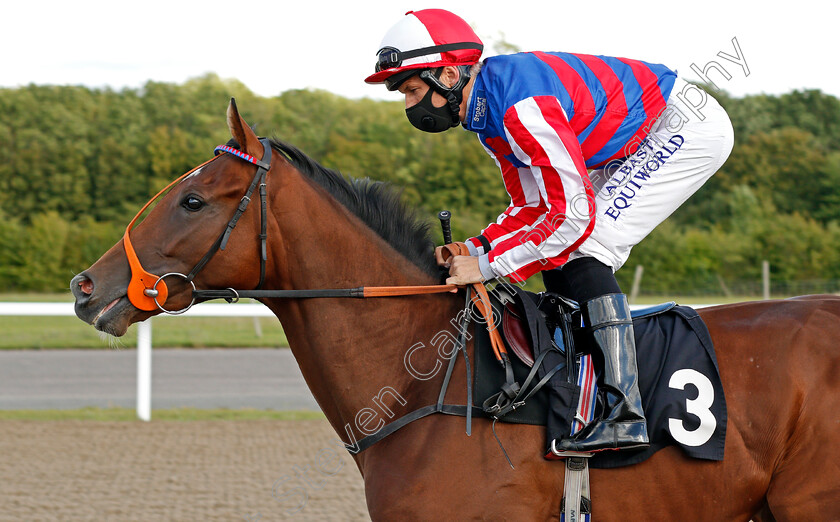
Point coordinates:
[[187, 225]]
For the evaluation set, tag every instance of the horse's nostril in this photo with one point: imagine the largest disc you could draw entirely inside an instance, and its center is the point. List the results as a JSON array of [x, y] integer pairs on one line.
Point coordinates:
[[86, 286]]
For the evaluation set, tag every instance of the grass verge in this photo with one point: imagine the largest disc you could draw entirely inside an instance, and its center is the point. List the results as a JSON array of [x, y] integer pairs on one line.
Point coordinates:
[[27, 332], [175, 414]]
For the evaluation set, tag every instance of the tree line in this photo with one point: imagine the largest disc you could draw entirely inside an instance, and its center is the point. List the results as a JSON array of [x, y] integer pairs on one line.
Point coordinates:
[[77, 163]]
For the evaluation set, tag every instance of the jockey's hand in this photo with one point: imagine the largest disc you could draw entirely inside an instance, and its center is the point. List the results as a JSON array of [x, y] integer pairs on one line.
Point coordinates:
[[445, 252], [464, 270]]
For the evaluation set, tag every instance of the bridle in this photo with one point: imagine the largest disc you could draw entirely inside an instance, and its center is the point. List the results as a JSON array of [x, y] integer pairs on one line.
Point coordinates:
[[145, 290], [148, 292], [148, 297]]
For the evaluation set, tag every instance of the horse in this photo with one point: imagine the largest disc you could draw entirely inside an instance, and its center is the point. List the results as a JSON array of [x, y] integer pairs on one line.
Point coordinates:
[[778, 360]]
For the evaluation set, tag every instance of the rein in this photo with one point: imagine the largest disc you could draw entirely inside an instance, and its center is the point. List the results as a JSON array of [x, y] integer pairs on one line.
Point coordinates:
[[148, 292], [358, 292]]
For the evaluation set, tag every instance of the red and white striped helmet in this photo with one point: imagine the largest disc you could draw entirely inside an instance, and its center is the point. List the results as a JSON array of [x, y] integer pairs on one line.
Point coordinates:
[[422, 40]]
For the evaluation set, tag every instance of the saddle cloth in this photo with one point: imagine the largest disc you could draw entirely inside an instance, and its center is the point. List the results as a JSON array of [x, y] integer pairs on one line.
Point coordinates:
[[680, 385]]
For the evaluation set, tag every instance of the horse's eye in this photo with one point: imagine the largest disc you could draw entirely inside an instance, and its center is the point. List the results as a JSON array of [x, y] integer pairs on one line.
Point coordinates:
[[192, 203]]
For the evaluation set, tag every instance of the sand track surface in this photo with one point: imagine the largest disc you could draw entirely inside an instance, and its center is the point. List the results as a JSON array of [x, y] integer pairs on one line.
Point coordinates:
[[165, 470]]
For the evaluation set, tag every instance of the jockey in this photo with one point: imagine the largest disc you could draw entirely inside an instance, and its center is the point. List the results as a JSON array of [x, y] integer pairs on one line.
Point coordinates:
[[594, 152]]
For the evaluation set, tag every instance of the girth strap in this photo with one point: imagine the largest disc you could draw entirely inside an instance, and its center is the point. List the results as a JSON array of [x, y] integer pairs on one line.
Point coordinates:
[[577, 503]]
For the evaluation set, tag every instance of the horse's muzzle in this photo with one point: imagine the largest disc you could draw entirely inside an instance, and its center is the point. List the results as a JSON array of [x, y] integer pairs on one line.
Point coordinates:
[[82, 288], [89, 305]]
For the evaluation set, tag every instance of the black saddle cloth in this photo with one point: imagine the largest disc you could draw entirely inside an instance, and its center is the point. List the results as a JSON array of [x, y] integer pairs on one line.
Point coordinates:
[[679, 381]]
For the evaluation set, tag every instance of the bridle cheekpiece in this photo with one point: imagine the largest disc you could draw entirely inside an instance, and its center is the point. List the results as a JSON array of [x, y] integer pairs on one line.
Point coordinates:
[[147, 291]]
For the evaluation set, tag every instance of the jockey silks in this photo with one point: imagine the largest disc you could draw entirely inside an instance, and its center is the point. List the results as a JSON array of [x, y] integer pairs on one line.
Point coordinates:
[[546, 119]]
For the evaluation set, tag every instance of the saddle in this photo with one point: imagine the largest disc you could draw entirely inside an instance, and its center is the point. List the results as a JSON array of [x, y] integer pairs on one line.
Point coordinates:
[[516, 331], [551, 365], [566, 401]]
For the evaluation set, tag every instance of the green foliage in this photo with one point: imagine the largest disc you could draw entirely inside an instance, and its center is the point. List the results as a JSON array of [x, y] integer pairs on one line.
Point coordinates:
[[77, 163]]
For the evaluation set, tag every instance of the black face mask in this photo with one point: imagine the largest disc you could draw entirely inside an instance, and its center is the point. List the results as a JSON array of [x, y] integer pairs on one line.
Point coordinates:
[[429, 118]]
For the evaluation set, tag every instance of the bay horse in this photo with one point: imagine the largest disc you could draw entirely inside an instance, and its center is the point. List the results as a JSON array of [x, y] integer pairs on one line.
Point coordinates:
[[779, 360]]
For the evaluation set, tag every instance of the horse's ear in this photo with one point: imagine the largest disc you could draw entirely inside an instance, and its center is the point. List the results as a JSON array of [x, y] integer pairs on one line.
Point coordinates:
[[242, 133]]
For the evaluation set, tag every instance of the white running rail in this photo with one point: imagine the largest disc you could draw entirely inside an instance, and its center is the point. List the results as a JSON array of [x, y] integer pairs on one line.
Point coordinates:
[[144, 335]]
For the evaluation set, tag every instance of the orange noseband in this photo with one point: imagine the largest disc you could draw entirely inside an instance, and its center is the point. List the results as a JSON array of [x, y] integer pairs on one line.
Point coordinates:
[[147, 291]]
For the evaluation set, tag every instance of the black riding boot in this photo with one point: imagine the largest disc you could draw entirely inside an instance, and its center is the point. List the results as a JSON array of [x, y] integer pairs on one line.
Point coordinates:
[[622, 424]]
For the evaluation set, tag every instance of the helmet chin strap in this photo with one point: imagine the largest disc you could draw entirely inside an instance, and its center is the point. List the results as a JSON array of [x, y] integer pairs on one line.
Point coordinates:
[[454, 95]]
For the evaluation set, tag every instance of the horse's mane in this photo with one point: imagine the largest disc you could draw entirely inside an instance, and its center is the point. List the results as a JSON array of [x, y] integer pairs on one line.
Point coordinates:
[[376, 203]]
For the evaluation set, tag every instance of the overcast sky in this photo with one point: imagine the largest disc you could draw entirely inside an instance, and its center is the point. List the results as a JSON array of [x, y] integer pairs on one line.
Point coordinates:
[[274, 46]]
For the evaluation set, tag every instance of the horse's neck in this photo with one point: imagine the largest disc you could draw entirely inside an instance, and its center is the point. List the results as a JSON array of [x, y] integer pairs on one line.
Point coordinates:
[[350, 351], [324, 245]]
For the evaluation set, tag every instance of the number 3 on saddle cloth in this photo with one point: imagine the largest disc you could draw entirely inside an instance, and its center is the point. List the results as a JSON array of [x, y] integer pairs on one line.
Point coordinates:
[[682, 395]]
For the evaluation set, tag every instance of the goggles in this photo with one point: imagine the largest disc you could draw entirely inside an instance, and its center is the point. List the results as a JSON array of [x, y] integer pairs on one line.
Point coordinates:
[[391, 58], [388, 58]]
